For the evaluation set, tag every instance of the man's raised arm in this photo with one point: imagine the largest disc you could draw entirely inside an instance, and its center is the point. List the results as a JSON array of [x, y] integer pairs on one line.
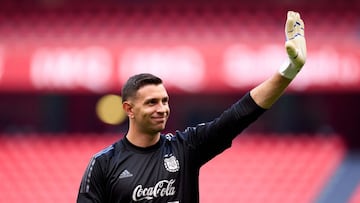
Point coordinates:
[[268, 92]]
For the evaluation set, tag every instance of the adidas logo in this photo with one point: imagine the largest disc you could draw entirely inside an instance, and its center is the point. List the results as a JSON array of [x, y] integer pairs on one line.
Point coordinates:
[[125, 174]]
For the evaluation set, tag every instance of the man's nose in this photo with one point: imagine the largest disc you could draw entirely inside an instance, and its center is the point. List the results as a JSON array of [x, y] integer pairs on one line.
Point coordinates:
[[162, 108]]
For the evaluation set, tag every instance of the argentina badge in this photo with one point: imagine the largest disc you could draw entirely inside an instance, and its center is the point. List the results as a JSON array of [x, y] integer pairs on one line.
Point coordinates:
[[171, 163]]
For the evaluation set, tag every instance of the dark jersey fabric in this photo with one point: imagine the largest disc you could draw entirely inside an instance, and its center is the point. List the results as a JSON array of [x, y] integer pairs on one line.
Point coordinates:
[[168, 171]]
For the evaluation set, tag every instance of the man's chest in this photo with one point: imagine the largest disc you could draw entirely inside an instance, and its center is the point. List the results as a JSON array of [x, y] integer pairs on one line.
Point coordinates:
[[153, 177]]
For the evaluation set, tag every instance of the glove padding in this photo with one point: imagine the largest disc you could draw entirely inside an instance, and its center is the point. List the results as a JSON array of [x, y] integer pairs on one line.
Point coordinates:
[[295, 45]]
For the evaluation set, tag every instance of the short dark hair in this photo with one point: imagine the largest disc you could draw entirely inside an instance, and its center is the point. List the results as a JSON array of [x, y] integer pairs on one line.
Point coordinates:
[[135, 82]]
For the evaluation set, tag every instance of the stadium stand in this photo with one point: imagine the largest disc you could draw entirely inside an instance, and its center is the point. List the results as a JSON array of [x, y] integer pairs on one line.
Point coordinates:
[[258, 168], [168, 22], [270, 168]]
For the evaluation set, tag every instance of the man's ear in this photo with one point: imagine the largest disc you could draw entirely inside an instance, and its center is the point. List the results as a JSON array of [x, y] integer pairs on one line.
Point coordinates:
[[128, 109]]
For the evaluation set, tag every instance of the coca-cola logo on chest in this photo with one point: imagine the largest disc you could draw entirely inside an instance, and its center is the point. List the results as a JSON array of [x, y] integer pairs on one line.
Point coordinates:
[[160, 189]]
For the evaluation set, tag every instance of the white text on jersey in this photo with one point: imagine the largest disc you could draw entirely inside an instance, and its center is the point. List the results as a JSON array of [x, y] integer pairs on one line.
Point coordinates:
[[161, 189]]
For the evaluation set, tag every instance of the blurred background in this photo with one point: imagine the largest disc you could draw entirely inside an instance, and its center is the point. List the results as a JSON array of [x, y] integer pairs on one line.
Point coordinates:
[[60, 59]]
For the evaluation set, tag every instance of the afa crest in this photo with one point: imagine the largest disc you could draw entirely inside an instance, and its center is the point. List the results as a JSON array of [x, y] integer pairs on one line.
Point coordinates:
[[171, 164]]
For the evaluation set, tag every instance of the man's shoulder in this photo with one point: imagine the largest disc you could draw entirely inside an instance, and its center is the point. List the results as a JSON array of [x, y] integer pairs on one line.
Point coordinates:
[[173, 137], [179, 136], [109, 151], [169, 136]]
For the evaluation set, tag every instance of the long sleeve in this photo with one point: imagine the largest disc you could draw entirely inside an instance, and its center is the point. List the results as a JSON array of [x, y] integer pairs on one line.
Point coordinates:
[[92, 187], [210, 139]]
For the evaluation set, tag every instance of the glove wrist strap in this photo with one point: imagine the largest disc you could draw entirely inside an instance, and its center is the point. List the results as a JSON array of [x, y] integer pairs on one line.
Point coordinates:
[[288, 70]]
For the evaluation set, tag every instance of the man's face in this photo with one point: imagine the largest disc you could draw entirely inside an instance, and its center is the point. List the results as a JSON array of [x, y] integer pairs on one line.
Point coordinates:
[[151, 108]]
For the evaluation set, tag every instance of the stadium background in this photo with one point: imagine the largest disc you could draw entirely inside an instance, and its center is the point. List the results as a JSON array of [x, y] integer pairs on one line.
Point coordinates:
[[59, 57]]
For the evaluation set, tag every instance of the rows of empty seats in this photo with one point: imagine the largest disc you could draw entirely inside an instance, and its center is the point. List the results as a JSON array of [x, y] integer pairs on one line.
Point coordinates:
[[270, 168], [258, 168], [170, 22], [45, 168]]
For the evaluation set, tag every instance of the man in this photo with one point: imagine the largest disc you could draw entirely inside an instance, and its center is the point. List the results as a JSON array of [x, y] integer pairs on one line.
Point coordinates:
[[147, 166]]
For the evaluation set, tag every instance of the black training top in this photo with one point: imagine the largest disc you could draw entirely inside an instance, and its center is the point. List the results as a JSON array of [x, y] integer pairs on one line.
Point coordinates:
[[167, 172]]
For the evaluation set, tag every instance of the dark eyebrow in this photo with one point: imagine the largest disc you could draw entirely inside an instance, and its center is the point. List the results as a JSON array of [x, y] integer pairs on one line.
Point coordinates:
[[150, 100], [165, 99]]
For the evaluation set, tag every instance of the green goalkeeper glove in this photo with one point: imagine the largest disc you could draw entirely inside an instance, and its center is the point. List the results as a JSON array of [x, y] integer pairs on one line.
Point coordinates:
[[295, 45]]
